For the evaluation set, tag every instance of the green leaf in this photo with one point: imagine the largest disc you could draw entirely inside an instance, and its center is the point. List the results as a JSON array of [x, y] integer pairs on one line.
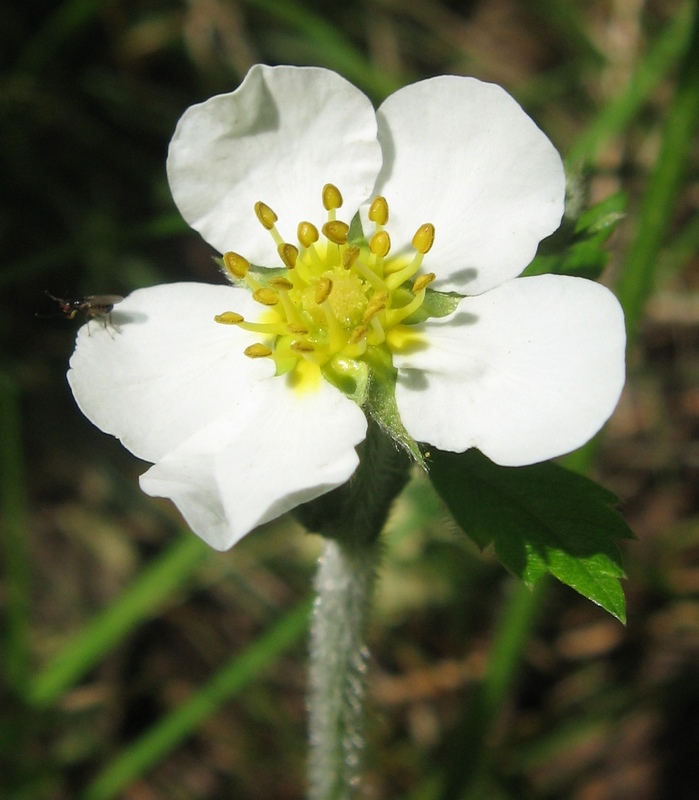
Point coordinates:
[[540, 518], [578, 247]]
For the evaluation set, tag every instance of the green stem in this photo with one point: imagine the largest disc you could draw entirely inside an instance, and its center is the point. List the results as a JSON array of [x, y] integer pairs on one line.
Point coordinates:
[[344, 584]]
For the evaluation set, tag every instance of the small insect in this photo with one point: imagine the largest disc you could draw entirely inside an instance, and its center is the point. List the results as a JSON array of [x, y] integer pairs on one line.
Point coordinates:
[[94, 305]]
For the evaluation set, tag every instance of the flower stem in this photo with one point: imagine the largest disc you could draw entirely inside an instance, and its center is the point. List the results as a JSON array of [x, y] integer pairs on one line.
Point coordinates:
[[339, 655]]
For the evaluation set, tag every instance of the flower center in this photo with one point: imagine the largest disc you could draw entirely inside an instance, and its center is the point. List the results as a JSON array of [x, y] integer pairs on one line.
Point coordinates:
[[335, 301]]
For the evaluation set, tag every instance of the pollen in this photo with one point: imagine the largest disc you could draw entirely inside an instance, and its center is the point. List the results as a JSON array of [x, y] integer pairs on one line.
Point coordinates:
[[336, 299]]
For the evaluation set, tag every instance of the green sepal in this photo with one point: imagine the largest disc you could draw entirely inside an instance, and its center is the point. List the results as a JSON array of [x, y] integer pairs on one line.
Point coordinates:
[[380, 403], [355, 235], [349, 375], [539, 518], [435, 304]]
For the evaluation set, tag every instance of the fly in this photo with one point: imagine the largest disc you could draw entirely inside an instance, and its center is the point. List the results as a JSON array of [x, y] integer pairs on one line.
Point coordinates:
[[94, 305]]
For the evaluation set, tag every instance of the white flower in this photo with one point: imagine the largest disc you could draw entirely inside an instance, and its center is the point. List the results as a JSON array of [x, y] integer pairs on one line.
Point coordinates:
[[245, 420]]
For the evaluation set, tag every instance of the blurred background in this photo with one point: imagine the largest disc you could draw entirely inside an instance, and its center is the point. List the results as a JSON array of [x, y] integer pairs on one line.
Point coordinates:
[[136, 663]]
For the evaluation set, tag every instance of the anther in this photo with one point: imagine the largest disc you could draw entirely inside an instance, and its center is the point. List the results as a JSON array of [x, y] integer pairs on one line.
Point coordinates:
[[332, 198], [380, 244], [424, 238], [302, 347], [307, 234], [422, 281], [350, 255], [336, 231], [375, 305], [236, 265], [297, 329], [288, 254], [358, 334], [229, 318], [265, 296], [378, 211], [265, 214], [257, 351], [323, 289], [280, 282]]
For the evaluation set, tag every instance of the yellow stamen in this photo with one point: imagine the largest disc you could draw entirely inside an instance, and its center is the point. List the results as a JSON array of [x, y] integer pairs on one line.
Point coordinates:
[[378, 211], [396, 315], [307, 234], [236, 265], [375, 305], [265, 296], [265, 215], [350, 255], [332, 199], [257, 351], [358, 334], [333, 301], [422, 281], [323, 289], [280, 282], [380, 244], [424, 238], [288, 254], [303, 347], [336, 231], [229, 318]]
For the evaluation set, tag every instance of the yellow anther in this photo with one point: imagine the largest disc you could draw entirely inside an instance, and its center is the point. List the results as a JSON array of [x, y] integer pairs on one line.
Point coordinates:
[[380, 244], [307, 234], [378, 211], [422, 281], [236, 265], [265, 296], [280, 282], [424, 238], [229, 318], [265, 214], [375, 305], [257, 351], [334, 302], [302, 347], [358, 334], [332, 198], [288, 254], [323, 289], [336, 231], [350, 255]]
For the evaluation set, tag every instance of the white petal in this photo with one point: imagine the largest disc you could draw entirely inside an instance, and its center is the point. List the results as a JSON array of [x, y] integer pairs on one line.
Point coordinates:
[[526, 372], [279, 138], [169, 369], [252, 465], [463, 155], [234, 445]]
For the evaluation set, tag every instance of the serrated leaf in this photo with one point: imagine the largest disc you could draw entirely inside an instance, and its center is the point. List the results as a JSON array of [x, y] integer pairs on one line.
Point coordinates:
[[540, 518], [577, 248]]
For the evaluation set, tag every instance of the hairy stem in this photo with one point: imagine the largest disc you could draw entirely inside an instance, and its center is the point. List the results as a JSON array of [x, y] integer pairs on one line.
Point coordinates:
[[339, 655]]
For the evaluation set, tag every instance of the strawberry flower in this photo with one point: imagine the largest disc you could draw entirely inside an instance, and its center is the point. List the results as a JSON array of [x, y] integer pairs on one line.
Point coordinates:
[[373, 260]]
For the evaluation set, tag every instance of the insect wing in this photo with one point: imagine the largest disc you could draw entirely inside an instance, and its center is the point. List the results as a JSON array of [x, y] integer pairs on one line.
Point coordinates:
[[95, 300]]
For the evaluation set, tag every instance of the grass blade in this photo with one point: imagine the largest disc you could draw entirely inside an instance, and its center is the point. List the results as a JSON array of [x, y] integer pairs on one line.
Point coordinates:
[[143, 598], [163, 737], [636, 281]]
